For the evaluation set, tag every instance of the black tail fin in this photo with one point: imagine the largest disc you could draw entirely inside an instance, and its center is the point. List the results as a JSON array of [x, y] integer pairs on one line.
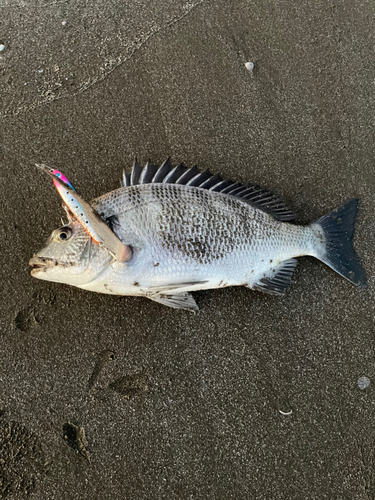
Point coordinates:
[[339, 254]]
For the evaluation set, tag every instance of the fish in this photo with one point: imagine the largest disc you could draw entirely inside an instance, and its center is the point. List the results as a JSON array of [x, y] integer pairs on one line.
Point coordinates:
[[189, 230]]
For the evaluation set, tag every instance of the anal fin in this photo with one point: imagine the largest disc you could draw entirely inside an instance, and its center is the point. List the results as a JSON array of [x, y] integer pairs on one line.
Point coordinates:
[[280, 279], [177, 301]]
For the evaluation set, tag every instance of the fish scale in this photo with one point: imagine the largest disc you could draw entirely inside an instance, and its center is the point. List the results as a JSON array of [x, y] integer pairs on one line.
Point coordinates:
[[175, 222]]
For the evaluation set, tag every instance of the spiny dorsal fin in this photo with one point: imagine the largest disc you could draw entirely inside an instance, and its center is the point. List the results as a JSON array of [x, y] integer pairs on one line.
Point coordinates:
[[162, 171], [148, 173], [135, 173], [279, 279], [166, 173], [175, 174]]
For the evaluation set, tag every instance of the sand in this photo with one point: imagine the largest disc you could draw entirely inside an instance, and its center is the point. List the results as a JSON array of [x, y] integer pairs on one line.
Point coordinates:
[[255, 397]]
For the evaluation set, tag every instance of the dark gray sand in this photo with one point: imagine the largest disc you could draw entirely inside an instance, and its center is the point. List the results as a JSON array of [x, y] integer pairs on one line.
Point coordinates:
[[106, 397]]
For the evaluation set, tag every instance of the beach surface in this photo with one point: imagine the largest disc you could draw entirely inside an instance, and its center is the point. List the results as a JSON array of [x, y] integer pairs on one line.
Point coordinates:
[[256, 397]]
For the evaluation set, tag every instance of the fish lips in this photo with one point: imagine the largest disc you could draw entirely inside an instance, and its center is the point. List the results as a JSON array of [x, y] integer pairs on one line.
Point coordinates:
[[41, 264]]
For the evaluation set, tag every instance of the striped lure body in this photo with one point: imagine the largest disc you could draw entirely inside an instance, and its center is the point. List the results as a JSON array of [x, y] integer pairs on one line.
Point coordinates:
[[75, 205]]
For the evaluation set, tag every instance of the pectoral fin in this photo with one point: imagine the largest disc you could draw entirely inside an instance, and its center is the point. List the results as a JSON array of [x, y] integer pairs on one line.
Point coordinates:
[[178, 288], [177, 301]]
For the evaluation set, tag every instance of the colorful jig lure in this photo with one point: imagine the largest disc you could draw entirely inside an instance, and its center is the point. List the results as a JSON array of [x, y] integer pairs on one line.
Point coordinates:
[[87, 216]]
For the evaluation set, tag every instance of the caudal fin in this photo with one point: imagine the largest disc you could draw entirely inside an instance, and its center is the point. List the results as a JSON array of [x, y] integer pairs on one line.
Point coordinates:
[[339, 253]]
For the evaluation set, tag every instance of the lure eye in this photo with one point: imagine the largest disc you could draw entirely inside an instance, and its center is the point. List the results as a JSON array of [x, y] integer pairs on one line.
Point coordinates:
[[64, 234]]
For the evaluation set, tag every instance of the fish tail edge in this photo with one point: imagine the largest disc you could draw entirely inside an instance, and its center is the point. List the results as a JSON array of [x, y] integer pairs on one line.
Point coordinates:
[[338, 251]]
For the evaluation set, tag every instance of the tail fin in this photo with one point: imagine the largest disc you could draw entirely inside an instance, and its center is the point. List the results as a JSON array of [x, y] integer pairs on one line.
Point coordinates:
[[339, 253]]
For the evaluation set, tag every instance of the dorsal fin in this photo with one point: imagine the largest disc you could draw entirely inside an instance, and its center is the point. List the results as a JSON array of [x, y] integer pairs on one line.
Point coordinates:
[[135, 173], [162, 171], [166, 173], [148, 173], [175, 174]]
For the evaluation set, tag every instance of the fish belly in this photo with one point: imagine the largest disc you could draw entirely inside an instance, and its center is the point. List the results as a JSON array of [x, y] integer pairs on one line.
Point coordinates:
[[154, 272]]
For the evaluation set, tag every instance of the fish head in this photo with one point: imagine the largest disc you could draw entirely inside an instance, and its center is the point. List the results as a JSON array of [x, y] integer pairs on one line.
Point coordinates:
[[70, 256]]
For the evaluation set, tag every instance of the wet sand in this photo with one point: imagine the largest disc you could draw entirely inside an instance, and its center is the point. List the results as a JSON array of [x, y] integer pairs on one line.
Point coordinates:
[[118, 397]]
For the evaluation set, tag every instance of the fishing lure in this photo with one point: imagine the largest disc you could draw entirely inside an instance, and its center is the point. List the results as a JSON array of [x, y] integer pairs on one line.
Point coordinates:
[[87, 216]]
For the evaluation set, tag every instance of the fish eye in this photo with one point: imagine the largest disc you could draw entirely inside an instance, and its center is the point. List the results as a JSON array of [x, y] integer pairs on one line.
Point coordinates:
[[64, 234]]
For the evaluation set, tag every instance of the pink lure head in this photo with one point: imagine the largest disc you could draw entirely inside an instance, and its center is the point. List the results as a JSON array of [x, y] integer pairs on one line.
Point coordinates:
[[55, 173], [62, 177]]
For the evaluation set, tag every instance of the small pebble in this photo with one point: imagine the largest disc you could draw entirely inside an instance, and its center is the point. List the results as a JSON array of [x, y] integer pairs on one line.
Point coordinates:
[[41, 71], [63, 23], [363, 382], [2, 47], [249, 66]]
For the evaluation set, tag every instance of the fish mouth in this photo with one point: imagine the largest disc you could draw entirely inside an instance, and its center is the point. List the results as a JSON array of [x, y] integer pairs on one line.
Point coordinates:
[[39, 264]]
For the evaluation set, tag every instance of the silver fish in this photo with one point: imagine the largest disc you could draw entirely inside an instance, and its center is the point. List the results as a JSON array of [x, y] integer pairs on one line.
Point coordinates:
[[193, 231]]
